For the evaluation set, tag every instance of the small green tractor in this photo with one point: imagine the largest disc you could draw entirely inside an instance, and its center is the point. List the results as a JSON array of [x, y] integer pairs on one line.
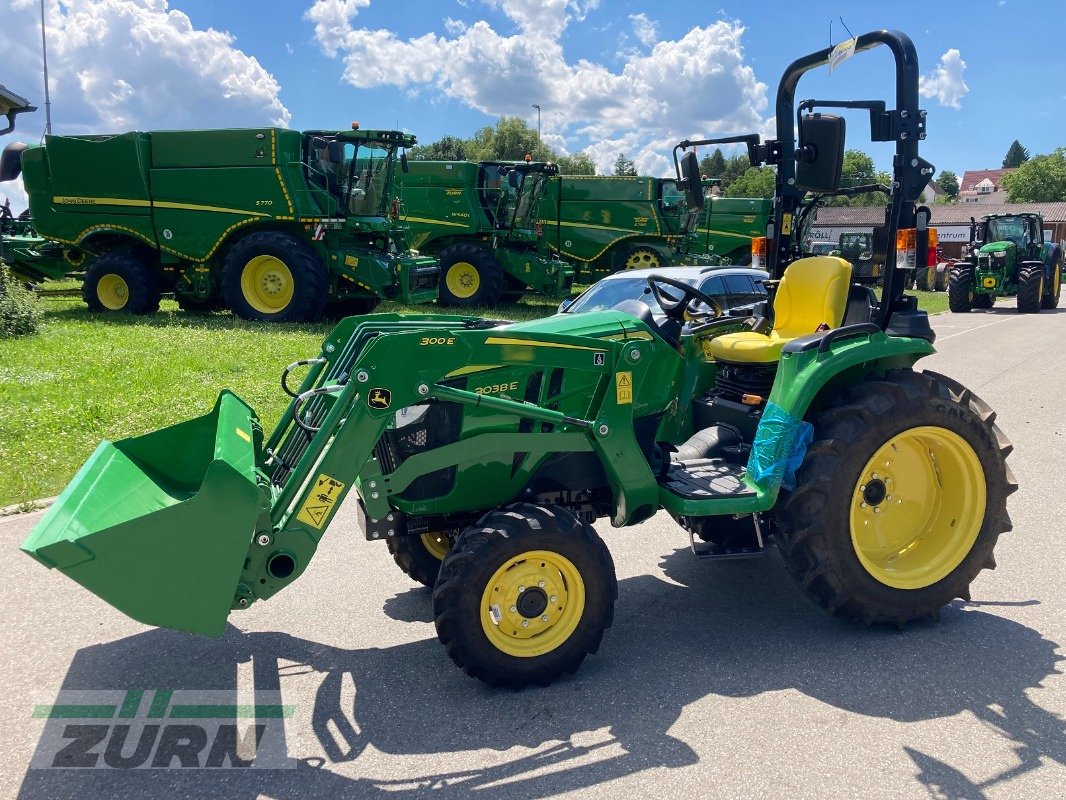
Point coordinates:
[[480, 220], [272, 223], [481, 452], [1008, 258]]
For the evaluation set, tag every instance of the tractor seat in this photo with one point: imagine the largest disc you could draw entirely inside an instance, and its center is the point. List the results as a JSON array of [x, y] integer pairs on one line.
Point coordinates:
[[813, 291]]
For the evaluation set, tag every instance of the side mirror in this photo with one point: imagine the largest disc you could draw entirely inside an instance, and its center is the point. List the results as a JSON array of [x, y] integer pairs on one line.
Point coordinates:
[[820, 155], [513, 179], [403, 162], [690, 180], [335, 151]]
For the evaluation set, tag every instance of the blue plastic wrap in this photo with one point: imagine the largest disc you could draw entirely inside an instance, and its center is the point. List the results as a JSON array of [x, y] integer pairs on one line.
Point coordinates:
[[780, 444]]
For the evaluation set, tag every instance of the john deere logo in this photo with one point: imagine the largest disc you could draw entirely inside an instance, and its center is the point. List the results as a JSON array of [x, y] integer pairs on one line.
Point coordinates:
[[989, 282], [379, 398]]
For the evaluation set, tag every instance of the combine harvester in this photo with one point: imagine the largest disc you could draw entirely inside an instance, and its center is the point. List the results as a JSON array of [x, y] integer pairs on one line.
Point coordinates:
[[482, 451]]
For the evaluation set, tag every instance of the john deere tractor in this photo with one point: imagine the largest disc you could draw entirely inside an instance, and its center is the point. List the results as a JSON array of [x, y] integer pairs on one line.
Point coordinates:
[[483, 451], [1009, 257]]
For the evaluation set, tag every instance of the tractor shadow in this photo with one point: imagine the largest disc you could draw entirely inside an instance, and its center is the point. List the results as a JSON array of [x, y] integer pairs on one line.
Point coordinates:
[[706, 631]]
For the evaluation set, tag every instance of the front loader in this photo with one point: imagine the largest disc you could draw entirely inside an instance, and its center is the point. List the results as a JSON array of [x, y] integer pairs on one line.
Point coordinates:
[[482, 451]]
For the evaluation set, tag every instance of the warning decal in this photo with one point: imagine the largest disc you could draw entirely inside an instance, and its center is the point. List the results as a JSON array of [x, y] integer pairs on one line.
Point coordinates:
[[624, 387], [319, 503]]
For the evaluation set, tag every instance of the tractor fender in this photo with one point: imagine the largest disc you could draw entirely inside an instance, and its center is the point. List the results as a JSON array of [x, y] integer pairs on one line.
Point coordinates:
[[809, 374]]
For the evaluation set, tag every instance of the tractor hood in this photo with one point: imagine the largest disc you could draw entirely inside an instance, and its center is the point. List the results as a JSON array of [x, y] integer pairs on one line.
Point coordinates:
[[996, 247]]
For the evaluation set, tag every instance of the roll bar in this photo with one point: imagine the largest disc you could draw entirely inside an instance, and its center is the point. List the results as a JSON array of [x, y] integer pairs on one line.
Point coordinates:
[[905, 125]]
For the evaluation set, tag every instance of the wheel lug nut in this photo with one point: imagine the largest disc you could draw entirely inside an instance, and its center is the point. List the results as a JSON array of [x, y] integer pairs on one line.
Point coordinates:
[[521, 589], [525, 623], [544, 618], [541, 584], [553, 598], [514, 609]]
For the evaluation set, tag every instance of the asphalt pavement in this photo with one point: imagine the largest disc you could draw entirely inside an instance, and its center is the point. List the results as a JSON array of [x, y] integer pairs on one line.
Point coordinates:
[[717, 680]]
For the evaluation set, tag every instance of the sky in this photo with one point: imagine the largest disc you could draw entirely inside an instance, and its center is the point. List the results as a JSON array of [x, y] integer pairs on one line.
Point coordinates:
[[610, 76]]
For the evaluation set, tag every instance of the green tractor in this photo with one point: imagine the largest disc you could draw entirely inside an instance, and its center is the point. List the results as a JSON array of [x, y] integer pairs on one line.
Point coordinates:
[[1009, 257], [482, 451], [480, 221]]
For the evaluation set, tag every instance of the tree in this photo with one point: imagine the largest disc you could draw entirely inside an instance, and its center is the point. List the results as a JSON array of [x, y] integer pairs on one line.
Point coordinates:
[[755, 182], [949, 182], [859, 170], [447, 148], [577, 164], [624, 165], [1016, 155], [713, 166], [1041, 179], [511, 140]]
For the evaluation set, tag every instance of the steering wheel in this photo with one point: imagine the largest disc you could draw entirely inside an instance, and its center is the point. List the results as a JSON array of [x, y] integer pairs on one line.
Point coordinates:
[[675, 308]]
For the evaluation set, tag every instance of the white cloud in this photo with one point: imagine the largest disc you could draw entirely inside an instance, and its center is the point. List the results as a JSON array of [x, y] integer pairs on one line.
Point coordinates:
[[646, 30], [16, 193], [946, 83], [695, 86], [116, 64]]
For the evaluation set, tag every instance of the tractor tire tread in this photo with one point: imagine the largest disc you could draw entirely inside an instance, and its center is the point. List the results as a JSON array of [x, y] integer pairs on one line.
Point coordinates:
[[960, 289], [805, 517], [472, 554], [141, 280], [489, 271], [311, 279], [1030, 279]]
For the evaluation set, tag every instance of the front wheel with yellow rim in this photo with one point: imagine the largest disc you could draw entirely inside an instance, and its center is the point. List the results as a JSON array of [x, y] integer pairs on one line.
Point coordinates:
[[121, 282], [274, 277], [419, 556], [900, 499], [469, 276], [524, 596]]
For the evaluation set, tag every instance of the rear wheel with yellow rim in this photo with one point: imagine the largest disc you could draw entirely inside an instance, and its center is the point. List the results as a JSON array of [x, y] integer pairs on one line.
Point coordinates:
[[524, 596], [469, 276], [420, 556], [274, 277], [121, 282], [1030, 288], [900, 499], [1053, 287]]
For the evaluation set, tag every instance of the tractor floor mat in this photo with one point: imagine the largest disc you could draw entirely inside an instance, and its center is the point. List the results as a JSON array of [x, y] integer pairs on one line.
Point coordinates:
[[706, 477]]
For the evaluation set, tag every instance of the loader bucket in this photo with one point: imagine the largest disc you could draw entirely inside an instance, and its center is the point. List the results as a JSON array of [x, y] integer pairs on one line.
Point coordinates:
[[159, 525]]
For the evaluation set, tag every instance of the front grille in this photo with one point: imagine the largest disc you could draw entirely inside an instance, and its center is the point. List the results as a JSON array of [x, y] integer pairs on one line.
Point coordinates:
[[735, 380], [438, 426]]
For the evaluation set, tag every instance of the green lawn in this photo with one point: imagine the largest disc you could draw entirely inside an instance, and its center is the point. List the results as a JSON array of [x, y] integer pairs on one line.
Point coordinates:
[[87, 377]]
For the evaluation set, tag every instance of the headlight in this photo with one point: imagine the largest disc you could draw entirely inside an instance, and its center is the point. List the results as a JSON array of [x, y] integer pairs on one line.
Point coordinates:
[[1000, 255]]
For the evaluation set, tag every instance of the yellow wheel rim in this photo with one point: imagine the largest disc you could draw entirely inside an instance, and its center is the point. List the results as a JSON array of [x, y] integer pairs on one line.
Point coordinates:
[[918, 507], [463, 280], [532, 604], [1056, 287], [437, 544], [112, 292], [267, 284], [643, 259]]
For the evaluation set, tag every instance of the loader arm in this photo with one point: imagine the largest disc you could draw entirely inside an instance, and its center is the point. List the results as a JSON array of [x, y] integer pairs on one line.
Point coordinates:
[[141, 525]]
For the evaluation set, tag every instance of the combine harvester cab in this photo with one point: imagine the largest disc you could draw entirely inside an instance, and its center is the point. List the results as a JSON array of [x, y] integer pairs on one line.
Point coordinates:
[[159, 525]]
